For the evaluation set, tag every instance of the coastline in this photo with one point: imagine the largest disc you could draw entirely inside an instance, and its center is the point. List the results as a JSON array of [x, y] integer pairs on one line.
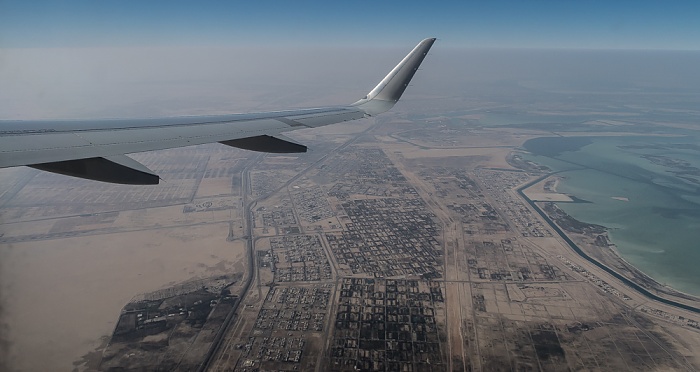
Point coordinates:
[[599, 234], [664, 288], [649, 209], [584, 239], [603, 240]]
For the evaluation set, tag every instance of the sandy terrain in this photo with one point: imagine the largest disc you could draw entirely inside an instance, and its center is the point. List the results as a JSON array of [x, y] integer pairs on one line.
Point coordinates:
[[62, 297], [71, 257]]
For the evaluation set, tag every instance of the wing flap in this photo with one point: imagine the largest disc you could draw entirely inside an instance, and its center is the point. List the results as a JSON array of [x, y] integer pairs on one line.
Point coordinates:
[[40, 142], [324, 119]]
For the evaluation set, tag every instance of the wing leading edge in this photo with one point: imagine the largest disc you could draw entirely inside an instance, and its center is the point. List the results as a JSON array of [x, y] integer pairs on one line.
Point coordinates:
[[95, 149]]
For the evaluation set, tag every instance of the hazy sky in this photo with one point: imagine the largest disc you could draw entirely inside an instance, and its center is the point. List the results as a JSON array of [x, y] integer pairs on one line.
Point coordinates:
[[73, 59], [606, 24]]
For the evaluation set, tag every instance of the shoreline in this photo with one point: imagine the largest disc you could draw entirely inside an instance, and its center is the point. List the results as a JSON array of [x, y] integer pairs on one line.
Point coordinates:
[[655, 284], [602, 236], [664, 294], [598, 234], [671, 290]]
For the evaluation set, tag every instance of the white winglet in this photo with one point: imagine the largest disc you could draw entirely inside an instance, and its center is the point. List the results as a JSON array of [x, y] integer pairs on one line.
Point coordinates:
[[389, 90]]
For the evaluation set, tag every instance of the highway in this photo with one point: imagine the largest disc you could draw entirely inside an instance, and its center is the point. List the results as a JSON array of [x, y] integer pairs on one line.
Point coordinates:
[[248, 205], [248, 217]]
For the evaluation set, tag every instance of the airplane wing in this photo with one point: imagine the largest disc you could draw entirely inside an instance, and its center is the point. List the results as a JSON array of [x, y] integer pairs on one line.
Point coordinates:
[[95, 149]]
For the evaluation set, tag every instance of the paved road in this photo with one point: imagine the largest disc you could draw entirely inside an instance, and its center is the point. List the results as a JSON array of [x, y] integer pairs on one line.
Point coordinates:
[[590, 259]]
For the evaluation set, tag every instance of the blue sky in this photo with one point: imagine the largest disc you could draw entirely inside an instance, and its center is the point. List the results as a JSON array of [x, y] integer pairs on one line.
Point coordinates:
[[530, 24]]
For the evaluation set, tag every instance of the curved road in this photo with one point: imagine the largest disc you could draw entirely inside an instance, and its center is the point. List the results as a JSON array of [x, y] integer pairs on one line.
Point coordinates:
[[590, 259]]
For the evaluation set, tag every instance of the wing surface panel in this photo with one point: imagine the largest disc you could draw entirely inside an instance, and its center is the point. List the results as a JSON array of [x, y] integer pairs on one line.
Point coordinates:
[[46, 146]]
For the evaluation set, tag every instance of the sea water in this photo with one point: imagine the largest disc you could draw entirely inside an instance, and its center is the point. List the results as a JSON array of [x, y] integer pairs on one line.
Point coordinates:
[[646, 190]]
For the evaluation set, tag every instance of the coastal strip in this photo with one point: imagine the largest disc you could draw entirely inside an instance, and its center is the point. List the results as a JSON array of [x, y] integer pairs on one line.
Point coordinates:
[[590, 259]]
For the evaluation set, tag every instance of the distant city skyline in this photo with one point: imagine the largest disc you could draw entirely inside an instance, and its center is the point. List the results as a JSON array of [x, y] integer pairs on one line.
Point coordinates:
[[470, 24]]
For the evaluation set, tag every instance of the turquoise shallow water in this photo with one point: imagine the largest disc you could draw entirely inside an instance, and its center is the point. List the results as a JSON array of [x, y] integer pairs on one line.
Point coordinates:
[[658, 229]]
